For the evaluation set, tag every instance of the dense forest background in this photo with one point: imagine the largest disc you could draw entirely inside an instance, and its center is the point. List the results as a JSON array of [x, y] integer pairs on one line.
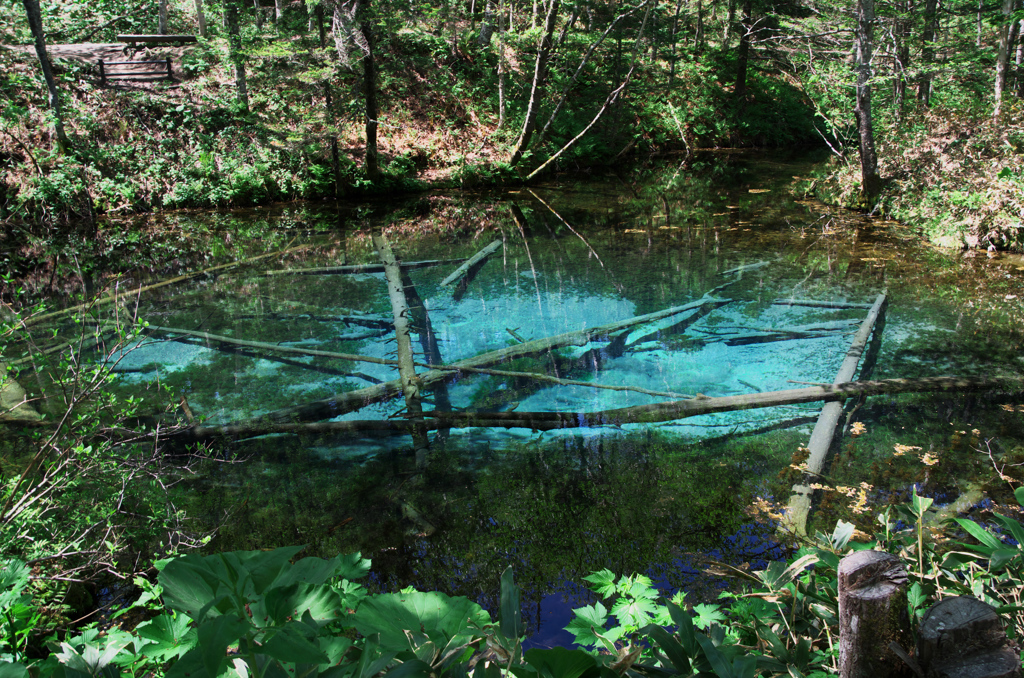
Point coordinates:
[[919, 101]]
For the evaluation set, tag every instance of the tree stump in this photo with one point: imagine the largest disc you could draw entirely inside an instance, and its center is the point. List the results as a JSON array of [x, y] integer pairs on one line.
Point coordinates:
[[872, 614], [963, 637]]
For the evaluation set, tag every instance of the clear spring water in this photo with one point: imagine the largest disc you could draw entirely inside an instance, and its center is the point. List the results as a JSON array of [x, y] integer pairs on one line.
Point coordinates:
[[575, 254]]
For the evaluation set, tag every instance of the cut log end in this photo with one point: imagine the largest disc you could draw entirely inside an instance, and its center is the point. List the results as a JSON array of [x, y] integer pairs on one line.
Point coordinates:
[[963, 637]]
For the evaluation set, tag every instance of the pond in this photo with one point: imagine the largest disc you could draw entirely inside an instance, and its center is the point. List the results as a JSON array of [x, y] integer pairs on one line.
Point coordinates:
[[760, 292]]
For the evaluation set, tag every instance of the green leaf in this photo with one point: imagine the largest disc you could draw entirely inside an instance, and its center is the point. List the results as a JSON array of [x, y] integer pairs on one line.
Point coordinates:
[[296, 643], [434, 614], [670, 647], [919, 504], [634, 612], [642, 587], [510, 613], [560, 662], [170, 636], [584, 622], [1015, 529], [604, 582], [707, 615], [215, 635], [979, 533], [13, 670], [842, 534], [282, 604], [414, 668]]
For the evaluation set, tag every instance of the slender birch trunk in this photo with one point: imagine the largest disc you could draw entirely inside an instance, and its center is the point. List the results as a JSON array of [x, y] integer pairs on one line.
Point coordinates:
[[201, 18], [536, 89], [501, 66], [35, 22], [406, 369]]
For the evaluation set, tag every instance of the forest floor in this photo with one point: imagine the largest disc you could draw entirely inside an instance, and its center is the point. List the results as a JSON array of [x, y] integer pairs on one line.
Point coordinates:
[[143, 146]]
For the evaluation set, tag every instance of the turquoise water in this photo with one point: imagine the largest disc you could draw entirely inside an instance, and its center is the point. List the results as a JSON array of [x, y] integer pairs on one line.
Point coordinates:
[[574, 255]]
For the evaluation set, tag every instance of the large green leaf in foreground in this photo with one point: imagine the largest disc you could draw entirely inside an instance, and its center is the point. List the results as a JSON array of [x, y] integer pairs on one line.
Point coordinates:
[[434, 615]]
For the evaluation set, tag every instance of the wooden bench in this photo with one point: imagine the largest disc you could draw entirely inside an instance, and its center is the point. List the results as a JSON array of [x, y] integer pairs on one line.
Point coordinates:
[[124, 70], [137, 42]]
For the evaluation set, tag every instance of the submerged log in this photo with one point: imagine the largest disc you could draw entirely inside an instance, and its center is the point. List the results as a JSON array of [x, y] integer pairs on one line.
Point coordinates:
[[640, 414], [420, 321], [795, 520], [358, 268], [14, 402], [406, 368], [814, 303], [264, 346], [35, 320], [471, 262], [348, 401]]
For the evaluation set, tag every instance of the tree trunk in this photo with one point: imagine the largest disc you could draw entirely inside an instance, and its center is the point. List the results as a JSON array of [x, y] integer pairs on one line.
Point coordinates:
[[162, 17], [370, 94], [235, 52], [1003, 56], [674, 44], [329, 108], [872, 614], [698, 38], [820, 442], [290, 419], [536, 89], [963, 636], [257, 13], [727, 31], [740, 90], [870, 181], [977, 39], [924, 84], [406, 368], [576, 75], [35, 22], [501, 66], [201, 18], [901, 51], [487, 25], [1020, 59], [278, 11]]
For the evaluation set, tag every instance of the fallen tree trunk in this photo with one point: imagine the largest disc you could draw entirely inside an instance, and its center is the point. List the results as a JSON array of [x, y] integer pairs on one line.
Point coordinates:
[[471, 262], [641, 414], [358, 268], [814, 303], [419, 319], [406, 368], [348, 401], [270, 347], [35, 320], [795, 520]]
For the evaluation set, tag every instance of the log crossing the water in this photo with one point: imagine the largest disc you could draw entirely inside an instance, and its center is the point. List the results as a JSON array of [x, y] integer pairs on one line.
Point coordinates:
[[406, 369], [640, 414], [471, 262], [349, 401], [795, 520], [351, 269]]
